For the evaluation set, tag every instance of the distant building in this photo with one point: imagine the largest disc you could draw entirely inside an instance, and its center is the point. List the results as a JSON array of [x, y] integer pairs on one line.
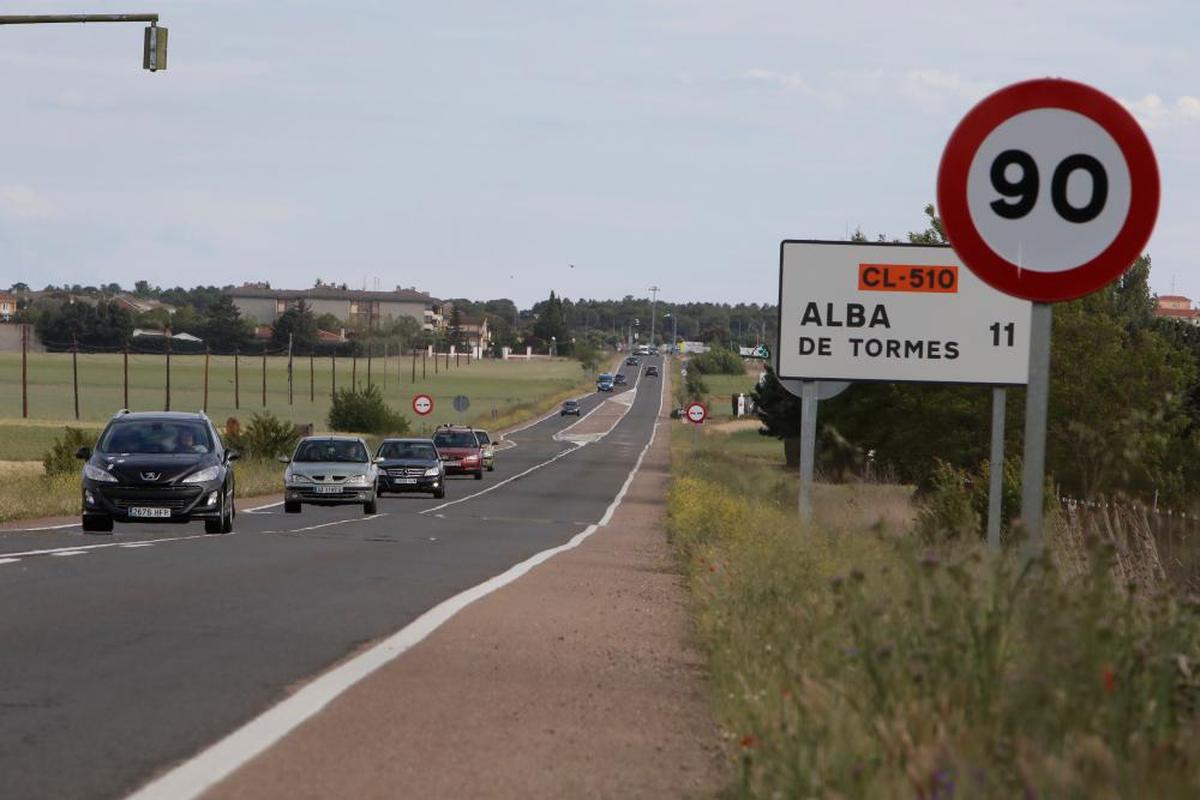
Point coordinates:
[[8, 306], [1174, 306], [361, 310], [475, 332]]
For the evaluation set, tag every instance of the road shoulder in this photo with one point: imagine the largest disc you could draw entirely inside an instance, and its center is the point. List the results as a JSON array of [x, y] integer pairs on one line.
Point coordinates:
[[580, 679]]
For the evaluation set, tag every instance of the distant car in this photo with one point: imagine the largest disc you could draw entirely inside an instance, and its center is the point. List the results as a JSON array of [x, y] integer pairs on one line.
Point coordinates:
[[410, 465], [619, 379], [330, 471], [569, 407], [604, 383], [653, 351], [158, 467], [489, 449], [643, 350], [651, 371], [632, 362], [460, 451]]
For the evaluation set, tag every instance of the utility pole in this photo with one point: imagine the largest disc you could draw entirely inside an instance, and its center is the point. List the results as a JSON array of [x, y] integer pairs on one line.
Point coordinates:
[[154, 42], [653, 302], [290, 364]]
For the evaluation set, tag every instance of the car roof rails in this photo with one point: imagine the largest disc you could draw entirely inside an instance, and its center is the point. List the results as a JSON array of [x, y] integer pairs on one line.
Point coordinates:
[[122, 412]]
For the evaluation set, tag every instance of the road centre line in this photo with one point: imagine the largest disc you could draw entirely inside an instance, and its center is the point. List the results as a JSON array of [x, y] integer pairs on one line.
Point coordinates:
[[62, 553], [9, 560], [40, 528], [193, 777], [331, 524], [86, 547], [496, 486]]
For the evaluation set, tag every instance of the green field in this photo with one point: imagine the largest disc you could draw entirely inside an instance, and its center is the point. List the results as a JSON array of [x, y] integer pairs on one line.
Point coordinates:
[[500, 392]]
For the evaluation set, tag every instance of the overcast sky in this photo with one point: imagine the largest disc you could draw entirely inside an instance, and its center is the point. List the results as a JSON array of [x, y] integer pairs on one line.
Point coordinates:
[[481, 148]]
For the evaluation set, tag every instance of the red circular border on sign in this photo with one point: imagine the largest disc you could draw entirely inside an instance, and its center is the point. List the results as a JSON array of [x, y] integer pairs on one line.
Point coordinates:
[[703, 408], [419, 397], [986, 117]]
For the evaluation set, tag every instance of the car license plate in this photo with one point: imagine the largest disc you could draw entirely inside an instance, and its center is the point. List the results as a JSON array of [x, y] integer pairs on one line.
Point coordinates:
[[404, 480], [452, 462], [142, 511], [328, 490]]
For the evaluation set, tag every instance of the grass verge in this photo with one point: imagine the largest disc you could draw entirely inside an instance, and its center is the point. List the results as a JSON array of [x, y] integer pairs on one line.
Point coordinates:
[[850, 659]]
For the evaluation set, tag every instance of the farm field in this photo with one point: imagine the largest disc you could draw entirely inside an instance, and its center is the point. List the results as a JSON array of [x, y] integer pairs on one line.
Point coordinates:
[[500, 392]]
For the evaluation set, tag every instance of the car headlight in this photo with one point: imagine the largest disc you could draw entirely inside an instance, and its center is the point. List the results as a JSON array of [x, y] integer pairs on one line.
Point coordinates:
[[203, 476], [356, 480], [295, 477], [93, 472], [432, 472]]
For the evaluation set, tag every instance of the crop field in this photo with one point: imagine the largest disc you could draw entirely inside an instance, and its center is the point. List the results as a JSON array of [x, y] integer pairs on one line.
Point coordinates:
[[499, 392]]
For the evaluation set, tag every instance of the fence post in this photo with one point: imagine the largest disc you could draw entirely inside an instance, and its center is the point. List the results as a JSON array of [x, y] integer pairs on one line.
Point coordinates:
[[414, 366], [424, 363], [447, 359], [333, 376], [237, 378], [24, 370], [75, 371], [125, 370], [385, 366], [369, 349], [354, 368], [435, 362], [168, 341], [312, 378], [291, 372], [207, 353], [264, 376]]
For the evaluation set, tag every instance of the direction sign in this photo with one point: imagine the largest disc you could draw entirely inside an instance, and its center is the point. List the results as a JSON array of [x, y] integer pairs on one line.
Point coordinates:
[[461, 403], [422, 404], [683, 372], [895, 312], [697, 413], [1048, 189]]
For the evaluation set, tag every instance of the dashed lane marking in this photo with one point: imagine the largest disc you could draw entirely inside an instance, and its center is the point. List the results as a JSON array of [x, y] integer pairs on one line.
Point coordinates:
[[64, 553], [88, 547], [9, 560], [331, 524]]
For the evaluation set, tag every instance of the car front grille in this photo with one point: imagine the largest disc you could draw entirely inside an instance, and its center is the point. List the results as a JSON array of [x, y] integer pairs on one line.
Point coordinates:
[[175, 498], [406, 472]]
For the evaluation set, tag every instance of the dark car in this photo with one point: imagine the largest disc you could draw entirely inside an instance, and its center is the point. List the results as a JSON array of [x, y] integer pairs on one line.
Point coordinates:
[[158, 467], [460, 451], [619, 379], [632, 362], [652, 371], [569, 407], [410, 465]]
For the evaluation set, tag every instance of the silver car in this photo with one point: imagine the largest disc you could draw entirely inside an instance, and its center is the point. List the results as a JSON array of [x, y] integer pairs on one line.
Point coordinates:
[[330, 471]]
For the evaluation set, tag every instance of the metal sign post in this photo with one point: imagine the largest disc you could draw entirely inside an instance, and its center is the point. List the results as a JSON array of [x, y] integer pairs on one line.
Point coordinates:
[[1037, 401], [808, 446], [996, 478]]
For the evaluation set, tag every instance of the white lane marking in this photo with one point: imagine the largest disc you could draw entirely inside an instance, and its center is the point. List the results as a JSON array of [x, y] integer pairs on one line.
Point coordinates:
[[62, 553], [257, 509], [9, 560], [85, 547], [335, 522], [496, 486], [203, 771], [40, 528], [137, 544]]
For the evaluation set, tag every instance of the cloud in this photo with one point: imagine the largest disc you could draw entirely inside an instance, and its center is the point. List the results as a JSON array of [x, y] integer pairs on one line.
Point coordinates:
[[1153, 112], [935, 85], [788, 81], [23, 203]]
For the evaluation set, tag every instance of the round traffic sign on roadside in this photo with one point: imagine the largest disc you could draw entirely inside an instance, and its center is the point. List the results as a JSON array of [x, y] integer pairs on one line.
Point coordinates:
[[422, 404], [697, 413], [461, 403], [1048, 189], [683, 372]]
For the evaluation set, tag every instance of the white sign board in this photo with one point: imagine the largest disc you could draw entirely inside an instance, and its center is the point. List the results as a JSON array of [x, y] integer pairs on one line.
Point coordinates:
[[892, 312]]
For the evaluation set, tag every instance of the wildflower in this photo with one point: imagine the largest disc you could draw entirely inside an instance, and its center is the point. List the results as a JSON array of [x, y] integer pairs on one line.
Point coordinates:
[[857, 574], [1109, 679], [929, 560], [749, 740], [836, 582]]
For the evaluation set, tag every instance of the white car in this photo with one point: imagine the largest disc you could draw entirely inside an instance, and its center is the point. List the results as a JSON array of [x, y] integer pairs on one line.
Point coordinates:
[[330, 471]]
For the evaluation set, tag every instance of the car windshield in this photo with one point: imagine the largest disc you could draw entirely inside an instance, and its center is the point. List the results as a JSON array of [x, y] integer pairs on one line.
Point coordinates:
[[322, 450], [571, 404], [483, 437], [605, 378], [408, 450], [455, 439], [156, 436]]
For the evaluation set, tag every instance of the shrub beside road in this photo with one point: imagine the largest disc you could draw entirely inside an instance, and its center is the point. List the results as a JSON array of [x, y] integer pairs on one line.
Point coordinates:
[[855, 658]]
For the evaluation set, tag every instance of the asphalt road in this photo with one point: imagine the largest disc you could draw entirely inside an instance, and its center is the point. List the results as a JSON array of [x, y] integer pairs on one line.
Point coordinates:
[[125, 654]]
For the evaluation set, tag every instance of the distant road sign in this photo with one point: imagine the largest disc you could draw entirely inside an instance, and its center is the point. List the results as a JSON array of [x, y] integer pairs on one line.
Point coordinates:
[[893, 312], [1048, 189], [461, 403], [422, 404], [683, 372], [697, 413]]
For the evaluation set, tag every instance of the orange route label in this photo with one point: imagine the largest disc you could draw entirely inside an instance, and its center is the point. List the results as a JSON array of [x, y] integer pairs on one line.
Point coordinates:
[[907, 278]]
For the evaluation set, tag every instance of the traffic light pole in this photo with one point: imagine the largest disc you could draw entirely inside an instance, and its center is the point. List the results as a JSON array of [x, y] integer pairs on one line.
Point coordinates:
[[154, 52]]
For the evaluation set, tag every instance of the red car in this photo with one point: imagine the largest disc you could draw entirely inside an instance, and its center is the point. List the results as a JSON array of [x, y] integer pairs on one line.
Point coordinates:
[[460, 451]]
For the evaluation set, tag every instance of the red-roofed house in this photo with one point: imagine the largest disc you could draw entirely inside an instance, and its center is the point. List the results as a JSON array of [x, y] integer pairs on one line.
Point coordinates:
[[1174, 306]]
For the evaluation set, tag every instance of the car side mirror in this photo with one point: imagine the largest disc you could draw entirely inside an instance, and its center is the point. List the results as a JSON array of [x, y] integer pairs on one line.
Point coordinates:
[[378, 460], [232, 455], [284, 459], [84, 453]]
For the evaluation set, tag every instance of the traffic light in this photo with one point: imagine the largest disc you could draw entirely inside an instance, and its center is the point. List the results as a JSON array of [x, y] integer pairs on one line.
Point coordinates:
[[154, 49]]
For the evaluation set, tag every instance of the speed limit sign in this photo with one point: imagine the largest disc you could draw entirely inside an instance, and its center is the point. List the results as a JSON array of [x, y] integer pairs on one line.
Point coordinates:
[[422, 404], [697, 413], [1048, 190]]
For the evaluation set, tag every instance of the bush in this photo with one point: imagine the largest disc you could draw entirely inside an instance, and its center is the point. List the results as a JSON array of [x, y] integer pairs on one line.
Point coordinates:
[[694, 386], [365, 411], [265, 437], [60, 458], [717, 361], [947, 511]]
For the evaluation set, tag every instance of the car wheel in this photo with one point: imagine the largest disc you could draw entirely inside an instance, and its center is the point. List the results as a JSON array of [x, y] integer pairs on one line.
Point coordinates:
[[97, 524], [290, 507], [439, 493], [227, 527], [371, 506], [479, 475], [491, 467]]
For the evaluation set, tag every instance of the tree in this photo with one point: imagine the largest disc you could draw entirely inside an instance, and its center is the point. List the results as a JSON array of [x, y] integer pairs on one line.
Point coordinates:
[[299, 322], [224, 329], [454, 331], [550, 324]]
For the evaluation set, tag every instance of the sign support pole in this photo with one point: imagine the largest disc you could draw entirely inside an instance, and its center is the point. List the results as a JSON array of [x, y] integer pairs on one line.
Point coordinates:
[[1037, 400], [996, 479], [808, 446]]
